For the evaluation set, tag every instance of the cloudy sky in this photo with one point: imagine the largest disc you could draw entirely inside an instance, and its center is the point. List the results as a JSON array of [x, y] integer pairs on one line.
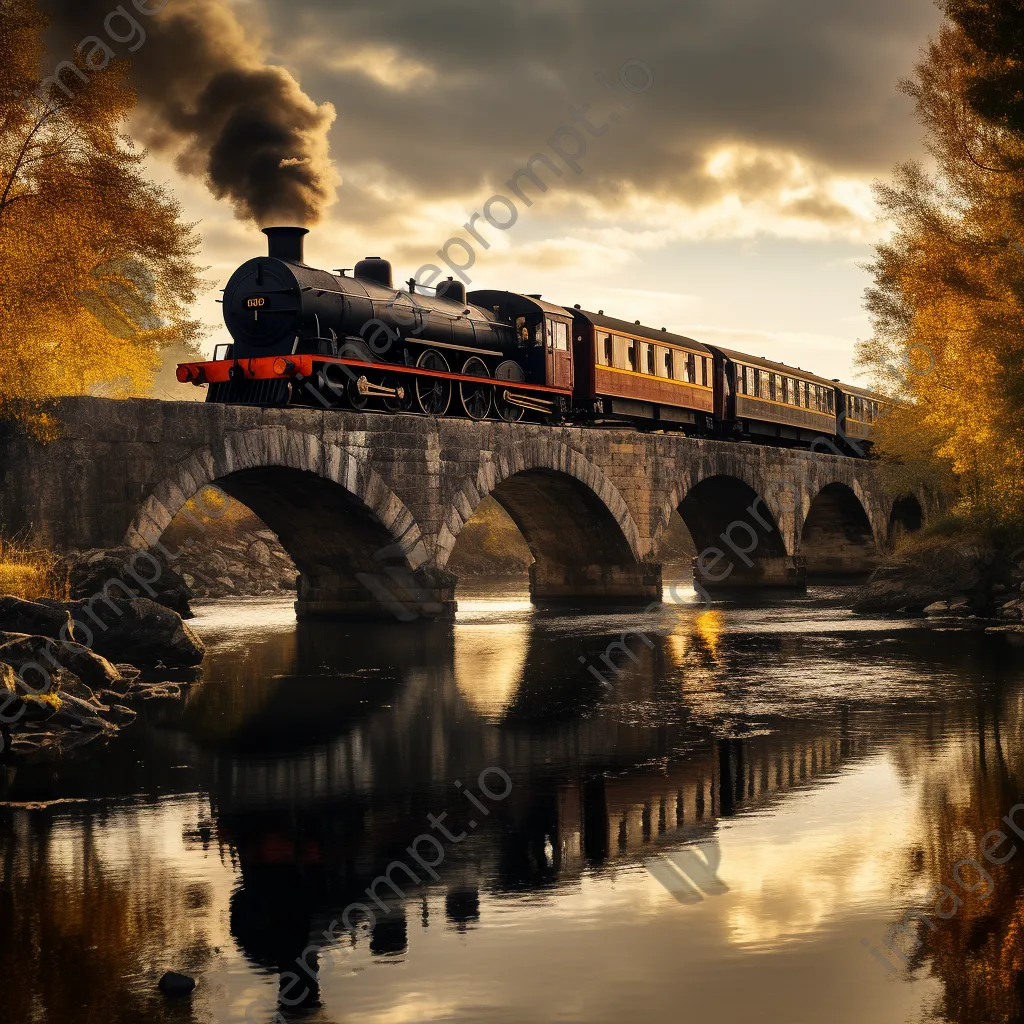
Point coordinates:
[[732, 201]]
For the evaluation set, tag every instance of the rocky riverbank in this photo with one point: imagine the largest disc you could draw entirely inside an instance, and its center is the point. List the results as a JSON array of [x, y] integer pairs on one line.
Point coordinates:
[[70, 670], [963, 575]]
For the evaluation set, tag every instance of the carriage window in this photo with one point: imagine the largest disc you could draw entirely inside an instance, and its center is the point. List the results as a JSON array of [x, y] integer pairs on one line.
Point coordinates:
[[691, 367], [740, 384], [830, 398], [759, 384], [632, 355], [649, 359], [807, 395], [603, 344], [793, 386], [619, 347], [784, 397], [707, 370], [663, 359], [774, 386]]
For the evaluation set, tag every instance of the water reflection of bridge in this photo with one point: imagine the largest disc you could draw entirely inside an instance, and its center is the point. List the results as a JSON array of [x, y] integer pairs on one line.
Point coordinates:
[[322, 777]]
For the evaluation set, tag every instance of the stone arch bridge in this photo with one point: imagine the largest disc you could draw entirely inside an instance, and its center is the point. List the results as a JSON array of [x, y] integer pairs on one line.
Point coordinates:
[[370, 506]]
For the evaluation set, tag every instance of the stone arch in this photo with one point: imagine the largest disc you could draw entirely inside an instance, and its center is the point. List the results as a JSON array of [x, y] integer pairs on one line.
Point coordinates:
[[737, 533], [584, 539], [906, 516], [837, 537], [358, 549], [782, 503]]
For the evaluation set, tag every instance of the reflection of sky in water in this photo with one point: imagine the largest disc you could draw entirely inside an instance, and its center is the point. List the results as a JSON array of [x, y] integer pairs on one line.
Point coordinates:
[[844, 739]]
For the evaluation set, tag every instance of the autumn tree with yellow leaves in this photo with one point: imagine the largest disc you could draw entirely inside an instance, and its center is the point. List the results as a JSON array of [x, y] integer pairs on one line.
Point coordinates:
[[948, 296], [97, 268]]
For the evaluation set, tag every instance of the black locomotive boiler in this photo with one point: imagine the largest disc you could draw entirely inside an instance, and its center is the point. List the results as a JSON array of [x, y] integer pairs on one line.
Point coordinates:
[[308, 337]]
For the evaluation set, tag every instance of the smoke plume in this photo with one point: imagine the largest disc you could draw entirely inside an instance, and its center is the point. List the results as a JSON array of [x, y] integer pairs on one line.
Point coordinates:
[[207, 95]]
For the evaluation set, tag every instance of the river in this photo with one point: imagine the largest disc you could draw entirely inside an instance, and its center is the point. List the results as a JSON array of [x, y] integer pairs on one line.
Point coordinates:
[[724, 826]]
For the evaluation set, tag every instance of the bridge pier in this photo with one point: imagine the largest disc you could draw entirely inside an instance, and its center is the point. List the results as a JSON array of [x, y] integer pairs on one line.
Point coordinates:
[[390, 594], [603, 587], [768, 573]]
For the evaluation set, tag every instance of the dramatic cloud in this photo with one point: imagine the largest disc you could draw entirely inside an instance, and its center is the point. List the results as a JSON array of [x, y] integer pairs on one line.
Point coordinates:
[[208, 95], [447, 98]]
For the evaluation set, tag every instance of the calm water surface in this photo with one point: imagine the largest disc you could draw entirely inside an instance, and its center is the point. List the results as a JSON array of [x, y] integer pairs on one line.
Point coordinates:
[[723, 832]]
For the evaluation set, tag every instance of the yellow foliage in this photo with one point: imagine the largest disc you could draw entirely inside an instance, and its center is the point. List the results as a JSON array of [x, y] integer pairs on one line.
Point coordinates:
[[97, 270], [948, 298], [31, 573]]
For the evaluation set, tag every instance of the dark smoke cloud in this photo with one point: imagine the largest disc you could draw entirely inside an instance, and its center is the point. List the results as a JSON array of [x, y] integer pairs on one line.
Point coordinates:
[[207, 95]]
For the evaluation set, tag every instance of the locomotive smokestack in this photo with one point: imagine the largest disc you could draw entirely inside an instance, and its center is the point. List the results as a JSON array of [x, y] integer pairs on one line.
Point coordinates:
[[286, 244]]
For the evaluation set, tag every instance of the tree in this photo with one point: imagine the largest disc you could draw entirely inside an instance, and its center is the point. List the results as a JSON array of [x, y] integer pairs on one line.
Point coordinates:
[[97, 268], [948, 297]]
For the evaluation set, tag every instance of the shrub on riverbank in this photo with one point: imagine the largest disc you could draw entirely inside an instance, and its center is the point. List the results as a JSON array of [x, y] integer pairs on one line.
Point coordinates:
[[32, 573], [975, 565]]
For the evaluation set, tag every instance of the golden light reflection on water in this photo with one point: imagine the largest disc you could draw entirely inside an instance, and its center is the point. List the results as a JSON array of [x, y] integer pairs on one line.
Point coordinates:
[[489, 662]]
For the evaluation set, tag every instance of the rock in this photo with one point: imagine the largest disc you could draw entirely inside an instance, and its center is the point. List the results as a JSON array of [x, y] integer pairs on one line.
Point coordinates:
[[156, 691], [190, 581], [91, 668], [121, 715], [259, 552], [17, 616], [139, 631], [216, 562], [8, 678], [226, 581], [77, 714], [937, 608], [125, 571], [176, 986], [268, 535]]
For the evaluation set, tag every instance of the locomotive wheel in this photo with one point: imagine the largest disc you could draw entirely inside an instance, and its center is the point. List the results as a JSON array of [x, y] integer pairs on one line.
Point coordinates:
[[400, 383], [511, 372], [475, 398], [356, 400], [432, 395]]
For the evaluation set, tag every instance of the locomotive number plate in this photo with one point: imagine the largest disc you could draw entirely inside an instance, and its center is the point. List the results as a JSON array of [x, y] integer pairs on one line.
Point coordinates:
[[256, 303]]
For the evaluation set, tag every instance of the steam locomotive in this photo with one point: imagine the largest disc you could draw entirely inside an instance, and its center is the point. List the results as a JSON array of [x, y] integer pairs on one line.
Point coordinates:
[[308, 337]]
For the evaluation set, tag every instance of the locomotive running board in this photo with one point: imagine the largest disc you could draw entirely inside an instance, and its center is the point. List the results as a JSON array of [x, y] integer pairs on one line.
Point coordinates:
[[528, 402]]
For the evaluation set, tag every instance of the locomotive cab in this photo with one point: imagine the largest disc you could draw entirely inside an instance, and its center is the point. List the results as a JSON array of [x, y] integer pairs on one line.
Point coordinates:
[[543, 335]]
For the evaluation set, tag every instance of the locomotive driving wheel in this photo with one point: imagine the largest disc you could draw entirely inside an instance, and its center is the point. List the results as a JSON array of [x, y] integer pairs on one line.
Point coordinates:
[[433, 395], [355, 397], [508, 373], [401, 400], [475, 398]]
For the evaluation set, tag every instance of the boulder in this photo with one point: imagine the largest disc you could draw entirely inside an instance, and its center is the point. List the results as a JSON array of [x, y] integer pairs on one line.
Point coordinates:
[[140, 632], [139, 573], [92, 669], [259, 552], [34, 618], [176, 986]]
